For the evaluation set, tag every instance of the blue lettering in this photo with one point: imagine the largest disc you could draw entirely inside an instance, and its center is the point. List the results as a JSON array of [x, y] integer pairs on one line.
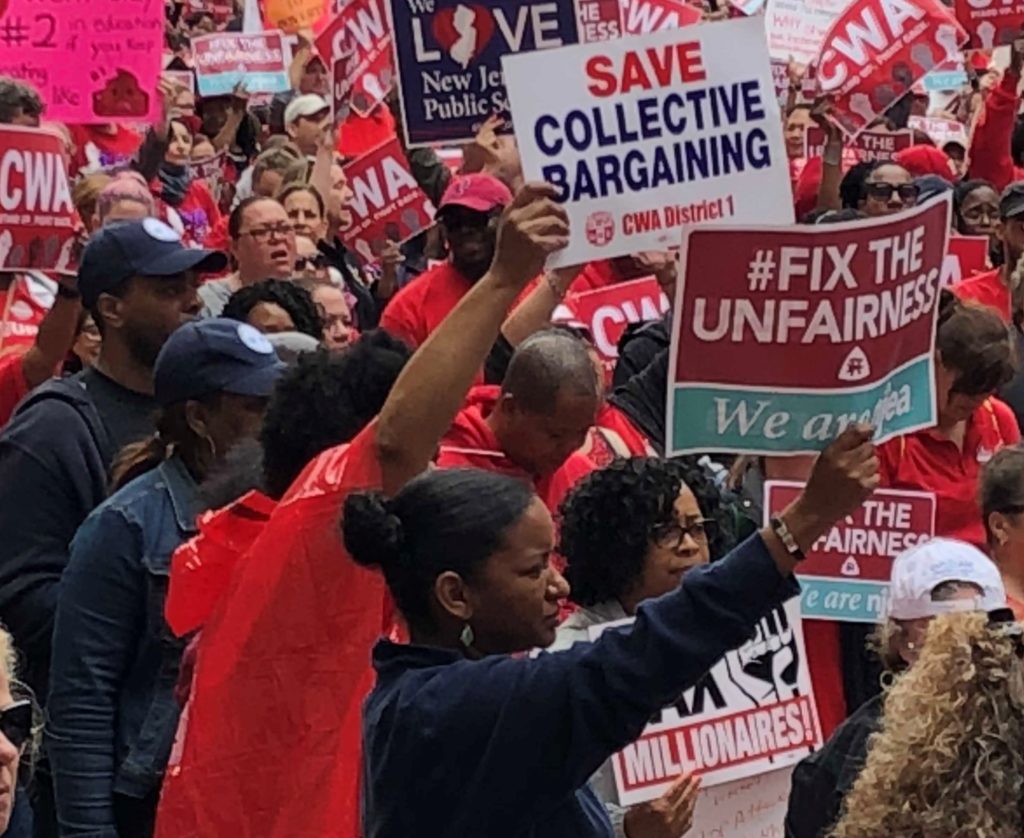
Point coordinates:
[[550, 149]]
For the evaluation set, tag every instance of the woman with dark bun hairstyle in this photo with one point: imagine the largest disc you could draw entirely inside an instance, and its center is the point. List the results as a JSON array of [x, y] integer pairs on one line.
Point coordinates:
[[464, 735]]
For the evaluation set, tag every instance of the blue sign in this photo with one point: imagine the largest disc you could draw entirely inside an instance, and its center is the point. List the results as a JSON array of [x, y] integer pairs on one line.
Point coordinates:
[[952, 80], [448, 54]]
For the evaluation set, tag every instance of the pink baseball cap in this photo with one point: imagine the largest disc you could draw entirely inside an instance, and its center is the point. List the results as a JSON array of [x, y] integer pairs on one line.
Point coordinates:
[[478, 192]]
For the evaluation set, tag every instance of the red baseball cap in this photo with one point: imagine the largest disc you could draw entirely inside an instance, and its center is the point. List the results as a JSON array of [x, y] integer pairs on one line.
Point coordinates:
[[478, 192]]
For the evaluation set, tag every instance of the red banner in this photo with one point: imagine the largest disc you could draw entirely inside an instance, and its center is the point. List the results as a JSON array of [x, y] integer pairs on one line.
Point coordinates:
[[991, 23], [608, 311], [387, 204], [37, 217], [877, 49], [361, 35], [642, 16], [600, 20], [867, 145]]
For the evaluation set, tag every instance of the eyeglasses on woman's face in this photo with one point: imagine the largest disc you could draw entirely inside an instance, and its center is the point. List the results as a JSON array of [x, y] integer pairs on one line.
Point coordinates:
[[672, 535], [16, 723]]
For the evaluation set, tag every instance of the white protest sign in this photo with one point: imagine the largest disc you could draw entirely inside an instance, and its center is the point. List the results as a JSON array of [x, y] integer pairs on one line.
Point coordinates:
[[752, 713], [644, 135], [940, 130], [755, 806], [797, 28]]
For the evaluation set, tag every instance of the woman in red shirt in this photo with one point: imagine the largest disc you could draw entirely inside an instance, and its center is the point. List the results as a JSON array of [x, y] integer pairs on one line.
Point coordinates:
[[974, 358], [178, 189]]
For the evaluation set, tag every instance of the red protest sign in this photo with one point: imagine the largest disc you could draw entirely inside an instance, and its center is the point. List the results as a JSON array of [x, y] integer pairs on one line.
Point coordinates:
[[607, 312], [863, 545], [965, 257], [783, 336], [387, 203], [990, 23], [360, 36], [600, 20], [867, 145], [640, 17], [877, 49], [846, 573], [37, 217]]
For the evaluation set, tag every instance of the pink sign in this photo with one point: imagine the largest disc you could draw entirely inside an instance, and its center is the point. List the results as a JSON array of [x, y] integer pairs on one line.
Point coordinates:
[[360, 37], [95, 62], [387, 204]]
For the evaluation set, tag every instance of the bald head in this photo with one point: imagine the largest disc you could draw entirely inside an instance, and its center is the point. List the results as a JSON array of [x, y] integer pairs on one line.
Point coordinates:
[[545, 364], [549, 400]]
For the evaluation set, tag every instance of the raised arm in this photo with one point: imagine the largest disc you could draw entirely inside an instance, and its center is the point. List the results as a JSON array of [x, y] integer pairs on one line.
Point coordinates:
[[547, 724], [989, 153], [433, 385]]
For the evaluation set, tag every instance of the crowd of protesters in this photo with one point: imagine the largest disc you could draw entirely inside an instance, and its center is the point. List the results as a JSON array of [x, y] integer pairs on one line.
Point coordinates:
[[281, 530]]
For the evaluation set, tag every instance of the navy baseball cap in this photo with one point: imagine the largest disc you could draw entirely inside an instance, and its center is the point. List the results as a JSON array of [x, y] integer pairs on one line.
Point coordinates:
[[148, 247], [215, 356]]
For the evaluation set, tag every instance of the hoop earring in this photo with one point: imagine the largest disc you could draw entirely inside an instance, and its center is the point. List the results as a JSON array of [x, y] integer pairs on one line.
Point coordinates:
[[467, 637]]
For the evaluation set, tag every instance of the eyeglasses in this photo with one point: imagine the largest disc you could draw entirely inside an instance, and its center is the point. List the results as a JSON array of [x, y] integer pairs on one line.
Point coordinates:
[[672, 535], [908, 192], [302, 262], [16, 723], [262, 234]]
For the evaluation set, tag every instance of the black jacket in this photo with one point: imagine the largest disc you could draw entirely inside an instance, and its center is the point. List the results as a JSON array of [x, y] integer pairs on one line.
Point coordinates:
[[821, 781], [55, 455]]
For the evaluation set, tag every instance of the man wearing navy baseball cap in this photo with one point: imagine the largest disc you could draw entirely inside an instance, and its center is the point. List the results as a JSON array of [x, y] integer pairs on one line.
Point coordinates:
[[139, 282]]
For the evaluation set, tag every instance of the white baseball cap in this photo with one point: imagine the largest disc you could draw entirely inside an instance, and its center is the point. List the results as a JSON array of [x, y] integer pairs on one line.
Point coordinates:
[[920, 570], [305, 105]]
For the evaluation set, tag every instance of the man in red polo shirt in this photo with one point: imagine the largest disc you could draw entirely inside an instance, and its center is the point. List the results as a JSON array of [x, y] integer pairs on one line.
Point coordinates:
[[534, 424], [468, 214], [992, 288]]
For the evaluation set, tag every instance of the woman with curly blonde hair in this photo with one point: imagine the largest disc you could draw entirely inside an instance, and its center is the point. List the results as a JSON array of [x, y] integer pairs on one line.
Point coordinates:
[[15, 736], [948, 760]]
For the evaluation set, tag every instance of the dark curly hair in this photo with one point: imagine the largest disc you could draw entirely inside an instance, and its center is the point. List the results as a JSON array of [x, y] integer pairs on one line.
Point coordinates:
[[608, 518], [325, 399], [291, 297]]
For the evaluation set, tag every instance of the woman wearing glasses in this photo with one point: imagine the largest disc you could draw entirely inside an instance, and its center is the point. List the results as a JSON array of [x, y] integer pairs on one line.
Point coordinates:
[[630, 533], [886, 188]]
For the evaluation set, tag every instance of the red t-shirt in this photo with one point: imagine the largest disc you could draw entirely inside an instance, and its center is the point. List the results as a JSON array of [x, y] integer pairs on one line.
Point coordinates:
[[928, 462], [95, 149], [988, 289], [415, 311], [612, 436], [470, 442], [196, 218]]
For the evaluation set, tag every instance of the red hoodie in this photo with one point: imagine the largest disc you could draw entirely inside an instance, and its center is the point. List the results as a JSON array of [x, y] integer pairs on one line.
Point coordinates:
[[990, 143], [471, 442]]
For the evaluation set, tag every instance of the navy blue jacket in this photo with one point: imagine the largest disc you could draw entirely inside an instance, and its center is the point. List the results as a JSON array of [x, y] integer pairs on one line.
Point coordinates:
[[54, 457], [111, 711], [503, 747]]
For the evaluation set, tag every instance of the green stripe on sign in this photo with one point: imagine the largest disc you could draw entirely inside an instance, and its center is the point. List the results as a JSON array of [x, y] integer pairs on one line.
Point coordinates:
[[762, 421], [823, 598]]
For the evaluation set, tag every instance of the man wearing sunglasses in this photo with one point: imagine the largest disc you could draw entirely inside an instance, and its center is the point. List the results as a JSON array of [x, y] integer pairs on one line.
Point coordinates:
[[888, 189], [468, 215]]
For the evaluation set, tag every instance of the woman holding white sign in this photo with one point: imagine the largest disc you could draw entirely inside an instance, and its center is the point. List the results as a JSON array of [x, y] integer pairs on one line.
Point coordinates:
[[510, 742]]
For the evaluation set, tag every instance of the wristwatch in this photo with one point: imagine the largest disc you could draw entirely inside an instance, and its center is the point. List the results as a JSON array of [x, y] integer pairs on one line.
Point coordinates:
[[786, 537]]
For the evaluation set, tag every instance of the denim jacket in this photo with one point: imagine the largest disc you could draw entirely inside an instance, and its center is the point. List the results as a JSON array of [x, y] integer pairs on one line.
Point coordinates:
[[111, 711]]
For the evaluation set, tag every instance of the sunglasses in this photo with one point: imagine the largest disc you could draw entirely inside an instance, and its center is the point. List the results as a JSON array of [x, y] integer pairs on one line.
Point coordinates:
[[908, 192], [16, 723], [317, 262]]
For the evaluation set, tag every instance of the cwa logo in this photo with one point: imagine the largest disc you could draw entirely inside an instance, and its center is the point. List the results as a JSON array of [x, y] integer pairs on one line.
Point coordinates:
[[600, 228], [463, 32]]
